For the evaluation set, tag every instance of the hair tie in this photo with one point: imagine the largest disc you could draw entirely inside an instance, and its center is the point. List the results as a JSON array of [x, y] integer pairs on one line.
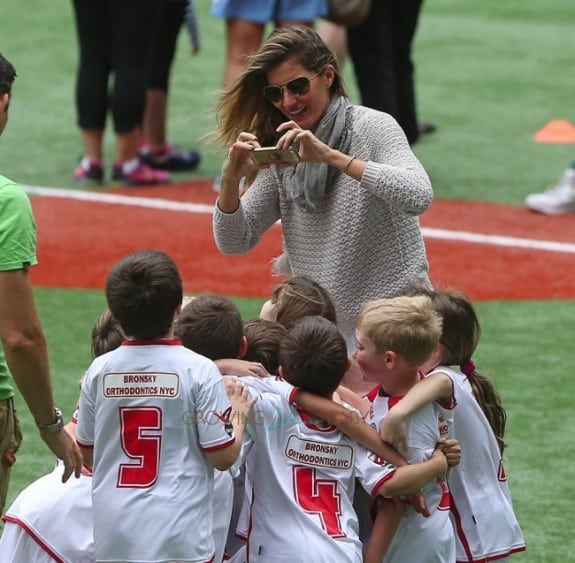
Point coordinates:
[[468, 367]]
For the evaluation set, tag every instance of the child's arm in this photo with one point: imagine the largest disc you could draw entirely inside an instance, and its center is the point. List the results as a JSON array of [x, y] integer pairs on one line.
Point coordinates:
[[241, 405], [400, 481], [430, 389], [386, 522], [353, 399], [349, 422], [410, 478], [235, 366]]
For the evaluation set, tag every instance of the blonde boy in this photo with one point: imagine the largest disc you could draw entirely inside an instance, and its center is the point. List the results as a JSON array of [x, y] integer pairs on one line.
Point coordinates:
[[394, 338]]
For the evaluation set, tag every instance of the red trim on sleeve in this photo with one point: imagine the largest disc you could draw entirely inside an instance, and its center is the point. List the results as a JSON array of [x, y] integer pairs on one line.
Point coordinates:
[[33, 535], [448, 403], [85, 446], [219, 446], [291, 399], [495, 557], [381, 482]]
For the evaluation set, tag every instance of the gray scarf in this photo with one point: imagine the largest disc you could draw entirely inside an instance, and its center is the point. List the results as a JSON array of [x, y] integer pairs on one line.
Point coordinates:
[[307, 182]]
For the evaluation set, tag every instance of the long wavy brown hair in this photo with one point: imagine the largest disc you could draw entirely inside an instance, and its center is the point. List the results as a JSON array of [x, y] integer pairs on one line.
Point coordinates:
[[243, 107]]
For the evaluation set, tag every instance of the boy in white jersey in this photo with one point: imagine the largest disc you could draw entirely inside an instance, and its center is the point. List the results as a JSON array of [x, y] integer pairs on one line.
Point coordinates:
[[305, 469], [394, 337], [154, 420], [212, 325], [50, 520], [481, 506]]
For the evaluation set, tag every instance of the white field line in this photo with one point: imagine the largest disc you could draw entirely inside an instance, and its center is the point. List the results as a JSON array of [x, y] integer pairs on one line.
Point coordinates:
[[155, 203]]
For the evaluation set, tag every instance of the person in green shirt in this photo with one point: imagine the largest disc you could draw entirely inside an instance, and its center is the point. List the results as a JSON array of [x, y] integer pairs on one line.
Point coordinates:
[[23, 351]]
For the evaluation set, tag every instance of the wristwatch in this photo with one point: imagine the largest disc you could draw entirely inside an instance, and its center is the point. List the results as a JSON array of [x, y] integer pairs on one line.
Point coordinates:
[[55, 426]]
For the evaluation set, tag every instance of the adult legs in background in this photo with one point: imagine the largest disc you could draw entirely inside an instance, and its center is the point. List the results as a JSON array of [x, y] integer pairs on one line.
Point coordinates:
[[380, 49], [114, 38], [91, 93], [335, 37], [243, 38], [157, 152]]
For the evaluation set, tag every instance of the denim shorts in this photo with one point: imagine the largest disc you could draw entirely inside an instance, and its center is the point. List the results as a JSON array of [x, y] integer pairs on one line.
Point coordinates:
[[266, 11]]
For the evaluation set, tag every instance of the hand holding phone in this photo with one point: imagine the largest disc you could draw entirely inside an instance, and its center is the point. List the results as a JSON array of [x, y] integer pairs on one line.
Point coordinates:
[[273, 155]]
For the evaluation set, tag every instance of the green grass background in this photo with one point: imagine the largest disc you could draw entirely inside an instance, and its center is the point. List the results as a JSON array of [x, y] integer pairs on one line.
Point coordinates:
[[489, 74]]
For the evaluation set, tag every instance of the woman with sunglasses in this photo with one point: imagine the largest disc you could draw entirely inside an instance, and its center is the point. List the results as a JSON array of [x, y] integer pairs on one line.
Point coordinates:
[[349, 208]]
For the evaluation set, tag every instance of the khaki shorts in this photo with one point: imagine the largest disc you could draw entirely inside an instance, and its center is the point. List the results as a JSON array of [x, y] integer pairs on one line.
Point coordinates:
[[10, 440]]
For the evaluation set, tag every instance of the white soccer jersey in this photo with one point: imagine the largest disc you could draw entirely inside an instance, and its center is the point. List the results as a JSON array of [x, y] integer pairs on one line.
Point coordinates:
[[50, 521], [223, 495], [149, 409], [242, 506], [418, 538], [481, 508], [302, 487]]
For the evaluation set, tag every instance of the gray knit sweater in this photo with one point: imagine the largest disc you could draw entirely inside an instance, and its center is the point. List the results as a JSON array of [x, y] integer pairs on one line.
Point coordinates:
[[364, 241]]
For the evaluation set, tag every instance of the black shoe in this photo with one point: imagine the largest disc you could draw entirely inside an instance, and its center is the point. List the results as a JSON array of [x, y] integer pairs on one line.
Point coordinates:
[[425, 127], [89, 173], [174, 159]]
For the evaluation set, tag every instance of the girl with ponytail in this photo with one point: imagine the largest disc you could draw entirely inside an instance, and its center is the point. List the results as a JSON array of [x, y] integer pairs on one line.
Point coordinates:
[[481, 508]]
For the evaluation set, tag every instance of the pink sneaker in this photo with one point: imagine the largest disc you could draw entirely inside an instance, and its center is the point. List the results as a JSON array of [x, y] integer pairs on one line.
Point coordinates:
[[140, 175], [89, 172]]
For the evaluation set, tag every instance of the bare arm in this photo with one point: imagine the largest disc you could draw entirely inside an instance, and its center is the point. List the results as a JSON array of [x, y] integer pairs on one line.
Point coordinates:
[[26, 353], [384, 526], [428, 390], [224, 458], [349, 422], [410, 478], [237, 367], [352, 398]]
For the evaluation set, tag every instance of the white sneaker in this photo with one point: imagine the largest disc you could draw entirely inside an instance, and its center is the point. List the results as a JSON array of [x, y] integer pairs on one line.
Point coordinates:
[[556, 200]]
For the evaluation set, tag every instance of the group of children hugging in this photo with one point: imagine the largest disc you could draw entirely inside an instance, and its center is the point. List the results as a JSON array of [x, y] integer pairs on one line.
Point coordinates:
[[209, 439]]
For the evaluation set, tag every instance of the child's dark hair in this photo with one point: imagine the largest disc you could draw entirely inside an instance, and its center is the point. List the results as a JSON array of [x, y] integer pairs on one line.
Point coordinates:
[[313, 355], [263, 342], [299, 297], [7, 75], [211, 325], [107, 334], [459, 338], [143, 291]]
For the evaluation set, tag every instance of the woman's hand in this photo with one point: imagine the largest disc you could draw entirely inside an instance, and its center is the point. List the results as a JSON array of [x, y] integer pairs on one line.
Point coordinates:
[[238, 163], [311, 149]]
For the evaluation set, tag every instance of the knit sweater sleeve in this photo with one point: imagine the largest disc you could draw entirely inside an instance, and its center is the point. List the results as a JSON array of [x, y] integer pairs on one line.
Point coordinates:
[[393, 172], [240, 231]]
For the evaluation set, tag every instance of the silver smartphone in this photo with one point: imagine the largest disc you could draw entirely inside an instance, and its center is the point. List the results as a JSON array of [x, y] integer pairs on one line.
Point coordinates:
[[272, 155]]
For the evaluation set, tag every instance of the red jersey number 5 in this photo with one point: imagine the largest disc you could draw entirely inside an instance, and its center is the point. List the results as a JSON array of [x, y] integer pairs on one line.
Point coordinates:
[[140, 431], [319, 496]]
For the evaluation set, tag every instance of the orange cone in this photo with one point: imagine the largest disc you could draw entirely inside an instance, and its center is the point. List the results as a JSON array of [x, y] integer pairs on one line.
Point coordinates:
[[556, 131]]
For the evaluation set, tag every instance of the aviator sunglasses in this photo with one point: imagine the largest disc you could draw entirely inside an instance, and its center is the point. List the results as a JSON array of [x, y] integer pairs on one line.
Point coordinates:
[[298, 87]]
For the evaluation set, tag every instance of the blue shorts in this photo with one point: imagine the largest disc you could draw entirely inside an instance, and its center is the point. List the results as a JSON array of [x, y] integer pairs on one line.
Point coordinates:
[[267, 11]]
